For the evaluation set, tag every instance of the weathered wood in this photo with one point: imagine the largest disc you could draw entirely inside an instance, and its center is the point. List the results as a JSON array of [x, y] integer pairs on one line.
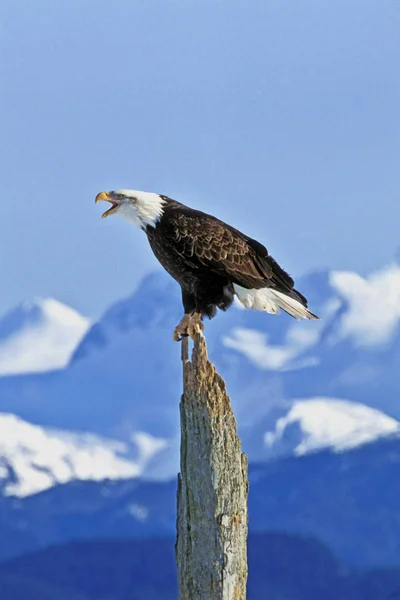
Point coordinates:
[[211, 551]]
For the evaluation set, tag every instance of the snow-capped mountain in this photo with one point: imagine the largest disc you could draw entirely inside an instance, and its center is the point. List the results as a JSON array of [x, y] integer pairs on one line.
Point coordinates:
[[34, 458], [348, 500], [39, 336], [124, 376], [320, 423]]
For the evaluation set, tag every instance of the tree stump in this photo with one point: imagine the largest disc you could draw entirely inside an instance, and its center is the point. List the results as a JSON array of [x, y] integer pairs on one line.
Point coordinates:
[[211, 544]]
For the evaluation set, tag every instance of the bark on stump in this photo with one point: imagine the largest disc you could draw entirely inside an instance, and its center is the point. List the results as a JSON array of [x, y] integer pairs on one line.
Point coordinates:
[[211, 544]]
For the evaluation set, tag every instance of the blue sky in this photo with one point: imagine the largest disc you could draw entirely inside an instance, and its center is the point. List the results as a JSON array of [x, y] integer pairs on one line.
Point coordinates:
[[281, 117]]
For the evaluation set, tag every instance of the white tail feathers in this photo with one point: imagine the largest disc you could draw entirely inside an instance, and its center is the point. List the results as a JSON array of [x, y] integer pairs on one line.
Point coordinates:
[[272, 301], [293, 307]]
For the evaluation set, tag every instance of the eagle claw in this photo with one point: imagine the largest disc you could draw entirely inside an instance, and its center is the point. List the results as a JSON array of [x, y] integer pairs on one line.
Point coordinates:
[[178, 337], [195, 325], [188, 326], [181, 330]]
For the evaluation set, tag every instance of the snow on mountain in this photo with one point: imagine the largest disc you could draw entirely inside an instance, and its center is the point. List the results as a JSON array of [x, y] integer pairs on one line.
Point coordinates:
[[124, 377], [254, 344], [373, 312], [362, 312], [34, 458], [319, 423], [39, 336]]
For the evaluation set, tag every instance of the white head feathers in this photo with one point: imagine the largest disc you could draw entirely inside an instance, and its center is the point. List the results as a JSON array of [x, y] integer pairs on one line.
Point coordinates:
[[140, 208]]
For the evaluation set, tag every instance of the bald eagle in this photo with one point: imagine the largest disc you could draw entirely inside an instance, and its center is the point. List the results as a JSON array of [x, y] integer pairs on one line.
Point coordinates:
[[212, 261]]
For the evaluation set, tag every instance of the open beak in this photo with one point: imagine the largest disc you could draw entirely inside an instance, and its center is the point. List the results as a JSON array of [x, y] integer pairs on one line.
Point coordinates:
[[107, 197]]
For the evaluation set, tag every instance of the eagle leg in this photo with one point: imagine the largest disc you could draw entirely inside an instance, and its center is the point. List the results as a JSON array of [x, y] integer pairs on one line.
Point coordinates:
[[195, 325], [181, 329]]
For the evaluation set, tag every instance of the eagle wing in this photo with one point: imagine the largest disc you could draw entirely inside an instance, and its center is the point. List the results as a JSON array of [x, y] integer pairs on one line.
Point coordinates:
[[205, 241]]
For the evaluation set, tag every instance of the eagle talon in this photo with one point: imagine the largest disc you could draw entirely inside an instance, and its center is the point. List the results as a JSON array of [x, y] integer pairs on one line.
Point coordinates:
[[195, 326], [181, 330], [178, 336]]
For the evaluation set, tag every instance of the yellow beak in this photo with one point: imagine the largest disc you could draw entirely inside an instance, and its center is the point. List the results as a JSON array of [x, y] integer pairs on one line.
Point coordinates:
[[106, 196], [102, 196]]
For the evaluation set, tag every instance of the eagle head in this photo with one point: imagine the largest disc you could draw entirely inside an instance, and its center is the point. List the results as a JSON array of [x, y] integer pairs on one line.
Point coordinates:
[[143, 209]]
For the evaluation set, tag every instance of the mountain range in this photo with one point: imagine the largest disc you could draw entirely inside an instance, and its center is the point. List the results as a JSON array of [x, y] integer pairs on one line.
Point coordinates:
[[295, 386], [347, 500], [281, 567], [89, 421]]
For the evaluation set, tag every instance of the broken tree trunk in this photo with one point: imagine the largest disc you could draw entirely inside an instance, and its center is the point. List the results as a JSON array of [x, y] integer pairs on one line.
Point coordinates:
[[211, 550]]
